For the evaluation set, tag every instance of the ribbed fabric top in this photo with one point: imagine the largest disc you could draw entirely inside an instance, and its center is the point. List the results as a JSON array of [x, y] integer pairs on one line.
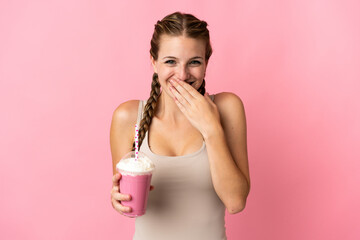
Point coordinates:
[[183, 204]]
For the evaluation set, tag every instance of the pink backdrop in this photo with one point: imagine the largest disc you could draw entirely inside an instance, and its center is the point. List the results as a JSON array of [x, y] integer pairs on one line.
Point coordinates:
[[66, 65]]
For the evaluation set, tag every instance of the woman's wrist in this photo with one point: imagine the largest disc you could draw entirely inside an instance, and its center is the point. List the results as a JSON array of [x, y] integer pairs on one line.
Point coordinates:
[[215, 132]]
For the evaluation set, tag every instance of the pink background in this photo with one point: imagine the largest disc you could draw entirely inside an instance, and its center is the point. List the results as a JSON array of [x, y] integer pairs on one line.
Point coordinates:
[[66, 65]]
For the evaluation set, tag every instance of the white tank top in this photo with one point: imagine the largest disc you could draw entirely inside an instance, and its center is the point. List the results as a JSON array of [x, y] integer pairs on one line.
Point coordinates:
[[183, 204]]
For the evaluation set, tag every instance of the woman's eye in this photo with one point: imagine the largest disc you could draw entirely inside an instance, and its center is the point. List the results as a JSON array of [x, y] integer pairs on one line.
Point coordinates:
[[195, 62], [170, 61]]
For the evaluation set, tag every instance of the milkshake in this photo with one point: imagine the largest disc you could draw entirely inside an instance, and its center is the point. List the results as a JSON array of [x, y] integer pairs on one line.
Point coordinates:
[[135, 180]]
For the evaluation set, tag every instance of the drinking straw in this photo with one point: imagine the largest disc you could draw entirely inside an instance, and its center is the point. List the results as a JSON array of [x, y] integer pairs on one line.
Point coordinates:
[[136, 142]]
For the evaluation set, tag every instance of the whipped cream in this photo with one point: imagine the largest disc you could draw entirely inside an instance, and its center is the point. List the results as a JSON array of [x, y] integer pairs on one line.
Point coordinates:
[[141, 165]]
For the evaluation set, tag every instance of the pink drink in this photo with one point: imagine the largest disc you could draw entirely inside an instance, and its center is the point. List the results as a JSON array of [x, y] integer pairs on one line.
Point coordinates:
[[135, 180], [138, 187]]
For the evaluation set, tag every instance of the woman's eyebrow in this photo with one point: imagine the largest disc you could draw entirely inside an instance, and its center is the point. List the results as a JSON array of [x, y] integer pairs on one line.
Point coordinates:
[[195, 57], [169, 57], [176, 58]]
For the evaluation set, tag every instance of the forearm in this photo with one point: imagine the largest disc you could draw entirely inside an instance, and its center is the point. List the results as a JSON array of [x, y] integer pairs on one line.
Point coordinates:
[[229, 182]]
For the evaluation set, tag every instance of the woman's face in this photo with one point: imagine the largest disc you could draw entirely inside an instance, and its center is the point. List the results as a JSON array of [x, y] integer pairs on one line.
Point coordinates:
[[181, 58]]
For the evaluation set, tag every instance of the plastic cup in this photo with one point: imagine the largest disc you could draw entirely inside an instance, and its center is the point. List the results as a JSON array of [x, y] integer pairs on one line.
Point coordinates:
[[135, 180]]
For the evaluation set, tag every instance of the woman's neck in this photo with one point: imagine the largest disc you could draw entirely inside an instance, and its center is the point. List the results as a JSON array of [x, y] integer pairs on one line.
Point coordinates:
[[168, 111]]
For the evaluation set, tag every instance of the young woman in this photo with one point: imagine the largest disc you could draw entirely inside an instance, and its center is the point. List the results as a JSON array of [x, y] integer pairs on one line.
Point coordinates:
[[196, 140]]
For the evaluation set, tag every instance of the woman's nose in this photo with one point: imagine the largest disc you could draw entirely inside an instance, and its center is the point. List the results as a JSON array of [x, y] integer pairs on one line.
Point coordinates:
[[182, 73]]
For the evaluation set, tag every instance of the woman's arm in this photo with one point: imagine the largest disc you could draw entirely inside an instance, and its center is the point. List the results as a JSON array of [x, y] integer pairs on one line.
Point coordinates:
[[122, 130], [227, 151], [223, 126], [121, 140]]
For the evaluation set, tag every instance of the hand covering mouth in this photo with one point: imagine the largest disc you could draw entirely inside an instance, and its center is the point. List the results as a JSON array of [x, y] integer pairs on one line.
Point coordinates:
[[190, 82]]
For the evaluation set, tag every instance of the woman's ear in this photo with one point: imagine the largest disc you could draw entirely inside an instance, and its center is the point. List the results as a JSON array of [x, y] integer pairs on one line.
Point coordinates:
[[153, 63]]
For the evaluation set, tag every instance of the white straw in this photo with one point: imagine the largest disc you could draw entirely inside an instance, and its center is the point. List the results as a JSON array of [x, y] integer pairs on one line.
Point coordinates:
[[136, 142]]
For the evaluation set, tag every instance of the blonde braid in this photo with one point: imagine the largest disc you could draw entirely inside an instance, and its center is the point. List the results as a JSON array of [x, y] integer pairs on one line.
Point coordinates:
[[149, 109]]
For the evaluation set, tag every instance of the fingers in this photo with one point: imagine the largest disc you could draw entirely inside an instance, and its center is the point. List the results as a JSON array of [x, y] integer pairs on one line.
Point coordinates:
[[183, 96], [115, 179], [190, 91], [121, 197], [178, 97], [117, 198], [120, 208]]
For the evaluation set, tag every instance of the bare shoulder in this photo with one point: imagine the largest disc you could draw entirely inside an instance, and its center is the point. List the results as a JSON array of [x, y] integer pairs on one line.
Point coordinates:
[[227, 102], [126, 112]]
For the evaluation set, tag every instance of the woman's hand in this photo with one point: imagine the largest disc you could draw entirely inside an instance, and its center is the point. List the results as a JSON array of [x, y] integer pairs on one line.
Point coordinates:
[[116, 196], [199, 110]]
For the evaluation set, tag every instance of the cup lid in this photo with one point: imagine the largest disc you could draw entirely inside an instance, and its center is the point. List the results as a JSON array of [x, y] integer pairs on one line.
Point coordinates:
[[129, 165]]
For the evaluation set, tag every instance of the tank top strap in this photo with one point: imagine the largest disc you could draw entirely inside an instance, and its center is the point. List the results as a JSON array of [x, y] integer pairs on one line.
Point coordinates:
[[140, 112]]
